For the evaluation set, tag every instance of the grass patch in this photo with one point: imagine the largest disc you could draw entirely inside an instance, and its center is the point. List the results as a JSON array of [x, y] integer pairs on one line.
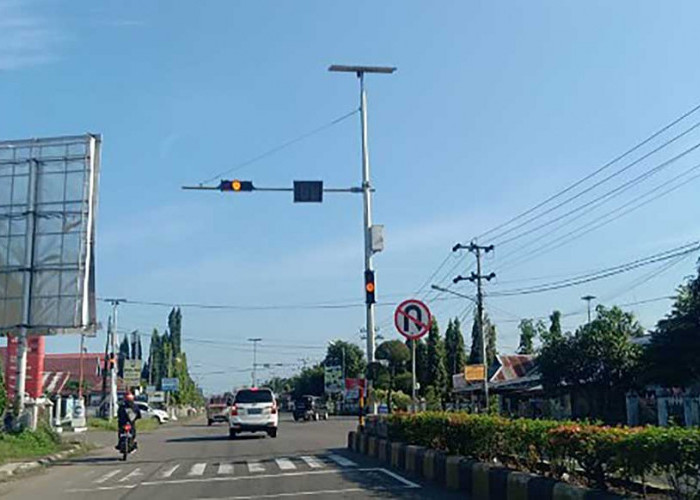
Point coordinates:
[[29, 444], [142, 425]]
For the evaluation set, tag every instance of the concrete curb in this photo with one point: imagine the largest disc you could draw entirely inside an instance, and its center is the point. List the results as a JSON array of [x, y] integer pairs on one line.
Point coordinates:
[[480, 480], [11, 469]]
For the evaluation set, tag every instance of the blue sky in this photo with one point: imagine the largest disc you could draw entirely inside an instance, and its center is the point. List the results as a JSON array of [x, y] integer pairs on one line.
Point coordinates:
[[494, 107]]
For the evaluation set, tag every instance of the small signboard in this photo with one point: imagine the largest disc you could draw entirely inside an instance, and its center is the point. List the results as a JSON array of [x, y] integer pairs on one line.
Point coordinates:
[[170, 384], [132, 372], [412, 319], [474, 372], [333, 379], [156, 397]]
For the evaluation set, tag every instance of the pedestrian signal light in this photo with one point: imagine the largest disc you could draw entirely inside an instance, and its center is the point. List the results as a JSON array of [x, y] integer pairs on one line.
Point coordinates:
[[236, 185], [370, 287]]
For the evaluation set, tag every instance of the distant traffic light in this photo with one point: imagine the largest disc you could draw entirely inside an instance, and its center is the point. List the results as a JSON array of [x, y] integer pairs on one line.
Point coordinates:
[[370, 287], [236, 185]]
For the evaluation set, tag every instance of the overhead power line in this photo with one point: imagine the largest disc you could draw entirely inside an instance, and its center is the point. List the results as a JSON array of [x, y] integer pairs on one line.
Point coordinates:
[[596, 223], [605, 273], [594, 173], [606, 196], [282, 146]]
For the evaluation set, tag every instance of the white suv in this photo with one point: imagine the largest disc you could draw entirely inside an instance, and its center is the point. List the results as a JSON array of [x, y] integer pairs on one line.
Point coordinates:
[[253, 410]]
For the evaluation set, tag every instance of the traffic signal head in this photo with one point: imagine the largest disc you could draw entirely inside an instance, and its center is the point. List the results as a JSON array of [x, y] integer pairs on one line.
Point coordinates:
[[370, 287], [236, 185]]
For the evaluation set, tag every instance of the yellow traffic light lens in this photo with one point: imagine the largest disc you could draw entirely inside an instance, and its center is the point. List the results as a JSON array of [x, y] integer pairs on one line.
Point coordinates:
[[369, 287], [236, 185]]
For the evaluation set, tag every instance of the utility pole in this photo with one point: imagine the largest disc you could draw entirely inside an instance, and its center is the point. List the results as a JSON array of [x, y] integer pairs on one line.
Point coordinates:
[[588, 299], [366, 185], [478, 277], [113, 368], [255, 359]]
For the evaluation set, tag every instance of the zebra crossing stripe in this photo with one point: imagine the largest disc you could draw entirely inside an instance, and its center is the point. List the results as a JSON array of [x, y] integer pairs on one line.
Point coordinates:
[[225, 469], [197, 470], [342, 461], [285, 464], [255, 466], [107, 476], [312, 462], [131, 475], [169, 472]]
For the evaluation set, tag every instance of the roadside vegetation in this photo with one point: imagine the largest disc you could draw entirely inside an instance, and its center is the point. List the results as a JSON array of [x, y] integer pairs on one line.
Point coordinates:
[[29, 444], [598, 456], [142, 425]]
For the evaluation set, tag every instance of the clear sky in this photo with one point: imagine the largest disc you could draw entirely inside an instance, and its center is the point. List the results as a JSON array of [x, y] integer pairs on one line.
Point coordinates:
[[494, 107]]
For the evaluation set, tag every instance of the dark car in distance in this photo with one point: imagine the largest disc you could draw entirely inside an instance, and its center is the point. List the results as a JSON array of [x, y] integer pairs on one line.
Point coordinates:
[[310, 408]]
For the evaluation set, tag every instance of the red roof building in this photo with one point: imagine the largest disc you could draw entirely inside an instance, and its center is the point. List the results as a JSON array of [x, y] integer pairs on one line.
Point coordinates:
[[62, 372]]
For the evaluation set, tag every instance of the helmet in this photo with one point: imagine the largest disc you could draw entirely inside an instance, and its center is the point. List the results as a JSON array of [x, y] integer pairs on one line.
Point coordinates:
[[129, 397]]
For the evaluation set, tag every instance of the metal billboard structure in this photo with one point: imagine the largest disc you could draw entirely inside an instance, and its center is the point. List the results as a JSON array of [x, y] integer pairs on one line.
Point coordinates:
[[48, 198]]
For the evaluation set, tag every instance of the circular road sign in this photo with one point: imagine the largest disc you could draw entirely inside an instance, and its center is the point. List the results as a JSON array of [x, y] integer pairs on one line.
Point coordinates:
[[412, 319]]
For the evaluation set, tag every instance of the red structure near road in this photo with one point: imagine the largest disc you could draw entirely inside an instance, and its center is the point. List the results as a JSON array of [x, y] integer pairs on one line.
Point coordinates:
[[35, 366]]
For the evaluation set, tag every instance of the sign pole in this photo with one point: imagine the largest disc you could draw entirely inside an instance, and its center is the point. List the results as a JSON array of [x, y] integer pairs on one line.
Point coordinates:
[[413, 374]]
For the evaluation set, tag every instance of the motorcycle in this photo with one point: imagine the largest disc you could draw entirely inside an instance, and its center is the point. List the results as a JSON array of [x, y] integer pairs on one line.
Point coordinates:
[[126, 441]]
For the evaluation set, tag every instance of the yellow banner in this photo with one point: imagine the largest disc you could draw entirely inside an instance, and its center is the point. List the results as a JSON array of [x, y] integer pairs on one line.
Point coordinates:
[[474, 372]]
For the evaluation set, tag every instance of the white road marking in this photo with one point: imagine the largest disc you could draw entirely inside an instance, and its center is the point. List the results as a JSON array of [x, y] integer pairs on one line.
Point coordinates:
[[169, 472], [131, 475], [402, 480], [108, 476], [312, 462], [255, 466], [300, 493], [342, 461], [225, 469], [285, 464], [197, 470]]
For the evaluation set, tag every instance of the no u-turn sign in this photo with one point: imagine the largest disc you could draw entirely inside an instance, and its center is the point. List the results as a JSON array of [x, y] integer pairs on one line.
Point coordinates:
[[412, 319]]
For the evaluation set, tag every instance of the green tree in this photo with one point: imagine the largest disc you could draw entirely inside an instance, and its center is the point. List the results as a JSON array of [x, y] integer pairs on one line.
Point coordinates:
[[3, 392], [308, 382], [354, 357], [554, 331], [397, 355], [672, 356], [599, 359], [475, 355], [175, 328], [421, 363], [529, 331], [454, 347], [124, 354], [437, 374]]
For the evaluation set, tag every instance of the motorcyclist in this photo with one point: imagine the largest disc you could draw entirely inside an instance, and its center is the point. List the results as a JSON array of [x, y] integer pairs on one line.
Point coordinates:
[[128, 413]]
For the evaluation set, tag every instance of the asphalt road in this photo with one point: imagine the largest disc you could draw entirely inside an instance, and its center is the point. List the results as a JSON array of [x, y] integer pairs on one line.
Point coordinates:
[[195, 461]]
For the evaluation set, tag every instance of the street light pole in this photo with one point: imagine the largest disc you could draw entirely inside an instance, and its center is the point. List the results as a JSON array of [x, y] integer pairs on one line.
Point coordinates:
[[366, 185], [588, 299], [255, 358]]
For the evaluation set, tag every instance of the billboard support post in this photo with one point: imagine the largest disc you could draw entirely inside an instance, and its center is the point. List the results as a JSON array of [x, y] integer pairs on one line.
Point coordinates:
[[26, 289]]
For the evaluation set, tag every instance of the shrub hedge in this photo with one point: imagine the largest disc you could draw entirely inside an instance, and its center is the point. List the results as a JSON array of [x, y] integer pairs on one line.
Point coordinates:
[[596, 454]]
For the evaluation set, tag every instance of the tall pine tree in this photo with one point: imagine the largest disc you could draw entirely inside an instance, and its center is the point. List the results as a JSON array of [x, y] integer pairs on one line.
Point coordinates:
[[437, 374], [175, 328], [475, 355], [454, 347], [124, 354]]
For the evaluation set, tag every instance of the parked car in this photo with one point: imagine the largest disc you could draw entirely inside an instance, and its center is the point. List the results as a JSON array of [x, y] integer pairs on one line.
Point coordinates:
[[253, 410], [217, 409], [310, 408], [148, 411]]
